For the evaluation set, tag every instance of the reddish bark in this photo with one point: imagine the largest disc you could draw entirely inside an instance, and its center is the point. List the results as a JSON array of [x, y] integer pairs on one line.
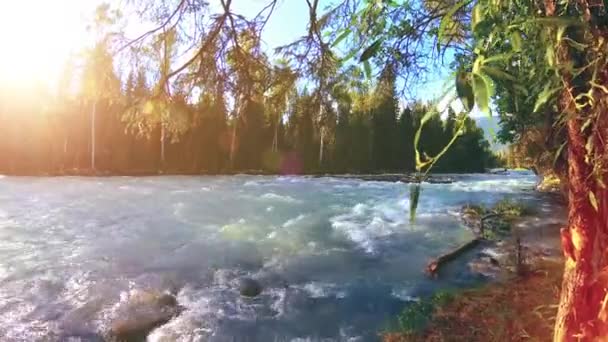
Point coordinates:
[[582, 313]]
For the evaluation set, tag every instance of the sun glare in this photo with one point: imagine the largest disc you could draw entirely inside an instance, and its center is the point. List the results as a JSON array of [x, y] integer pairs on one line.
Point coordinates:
[[37, 38]]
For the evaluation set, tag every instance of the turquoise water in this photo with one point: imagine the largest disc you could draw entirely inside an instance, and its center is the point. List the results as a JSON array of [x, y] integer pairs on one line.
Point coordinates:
[[338, 258]]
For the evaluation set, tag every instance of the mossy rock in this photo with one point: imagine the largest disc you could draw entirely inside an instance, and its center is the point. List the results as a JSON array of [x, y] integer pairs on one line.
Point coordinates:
[[144, 312]]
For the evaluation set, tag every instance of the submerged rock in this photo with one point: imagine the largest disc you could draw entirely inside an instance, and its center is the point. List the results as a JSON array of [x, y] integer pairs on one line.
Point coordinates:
[[144, 312], [249, 287]]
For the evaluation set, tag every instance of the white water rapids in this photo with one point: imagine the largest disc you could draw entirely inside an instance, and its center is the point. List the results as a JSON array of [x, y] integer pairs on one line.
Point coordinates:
[[337, 258]]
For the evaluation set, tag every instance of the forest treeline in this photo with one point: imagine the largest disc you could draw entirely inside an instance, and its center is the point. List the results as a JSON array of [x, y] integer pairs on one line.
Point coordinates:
[[282, 129]]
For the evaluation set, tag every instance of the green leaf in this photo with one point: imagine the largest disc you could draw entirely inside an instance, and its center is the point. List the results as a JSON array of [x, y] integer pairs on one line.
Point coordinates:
[[575, 44], [521, 89], [477, 16], [478, 63], [484, 90], [341, 37], [557, 21], [586, 125], [550, 56], [497, 74], [593, 200], [465, 91], [370, 51], [368, 69], [516, 41], [349, 56], [545, 96], [496, 58], [447, 21]]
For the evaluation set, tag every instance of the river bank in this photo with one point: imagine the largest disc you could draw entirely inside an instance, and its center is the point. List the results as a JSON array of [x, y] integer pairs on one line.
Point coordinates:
[[519, 305], [403, 177]]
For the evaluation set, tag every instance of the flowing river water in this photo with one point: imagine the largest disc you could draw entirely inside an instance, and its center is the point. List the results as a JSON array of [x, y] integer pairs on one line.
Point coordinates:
[[338, 258]]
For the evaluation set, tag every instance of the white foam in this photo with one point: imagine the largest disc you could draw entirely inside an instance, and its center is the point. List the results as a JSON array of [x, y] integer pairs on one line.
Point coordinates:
[[294, 221], [343, 186], [181, 191], [359, 209], [404, 294], [374, 184], [355, 233], [322, 290], [281, 198]]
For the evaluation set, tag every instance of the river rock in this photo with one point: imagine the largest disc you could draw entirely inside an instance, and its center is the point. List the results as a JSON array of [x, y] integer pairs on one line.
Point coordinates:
[[249, 287], [143, 312]]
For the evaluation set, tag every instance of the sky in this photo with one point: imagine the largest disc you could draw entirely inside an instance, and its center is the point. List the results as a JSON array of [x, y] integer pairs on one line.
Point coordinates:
[[39, 36]]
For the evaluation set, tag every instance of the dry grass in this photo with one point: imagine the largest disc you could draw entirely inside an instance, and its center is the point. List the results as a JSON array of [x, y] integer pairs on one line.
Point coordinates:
[[521, 309]]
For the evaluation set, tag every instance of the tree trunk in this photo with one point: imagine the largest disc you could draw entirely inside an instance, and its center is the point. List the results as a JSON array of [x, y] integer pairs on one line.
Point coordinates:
[[582, 313], [93, 114], [275, 139], [162, 146], [233, 145], [65, 157], [321, 146]]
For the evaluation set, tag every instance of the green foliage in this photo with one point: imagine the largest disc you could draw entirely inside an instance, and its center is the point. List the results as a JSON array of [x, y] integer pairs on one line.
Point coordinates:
[[464, 90], [510, 208], [415, 317], [370, 51]]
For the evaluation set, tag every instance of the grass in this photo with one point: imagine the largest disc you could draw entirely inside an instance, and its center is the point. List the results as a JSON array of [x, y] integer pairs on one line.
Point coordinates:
[[550, 183], [511, 209], [520, 309], [507, 207], [417, 315], [498, 227]]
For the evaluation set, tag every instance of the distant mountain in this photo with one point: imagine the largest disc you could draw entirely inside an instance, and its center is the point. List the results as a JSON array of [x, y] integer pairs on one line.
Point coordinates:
[[490, 127]]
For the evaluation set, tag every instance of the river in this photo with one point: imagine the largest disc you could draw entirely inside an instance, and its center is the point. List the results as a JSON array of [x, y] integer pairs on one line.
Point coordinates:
[[338, 258]]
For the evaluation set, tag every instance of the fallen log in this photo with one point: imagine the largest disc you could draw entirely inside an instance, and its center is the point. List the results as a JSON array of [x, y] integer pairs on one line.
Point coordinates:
[[433, 267]]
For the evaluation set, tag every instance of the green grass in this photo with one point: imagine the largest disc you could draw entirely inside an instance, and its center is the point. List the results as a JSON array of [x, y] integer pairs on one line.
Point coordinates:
[[511, 209], [416, 316]]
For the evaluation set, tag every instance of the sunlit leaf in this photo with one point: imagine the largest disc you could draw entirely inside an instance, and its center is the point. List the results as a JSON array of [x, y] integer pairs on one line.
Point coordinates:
[[478, 63], [593, 200], [586, 125], [483, 89], [341, 37], [497, 74], [477, 15], [550, 56], [516, 41], [496, 58], [448, 21]]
